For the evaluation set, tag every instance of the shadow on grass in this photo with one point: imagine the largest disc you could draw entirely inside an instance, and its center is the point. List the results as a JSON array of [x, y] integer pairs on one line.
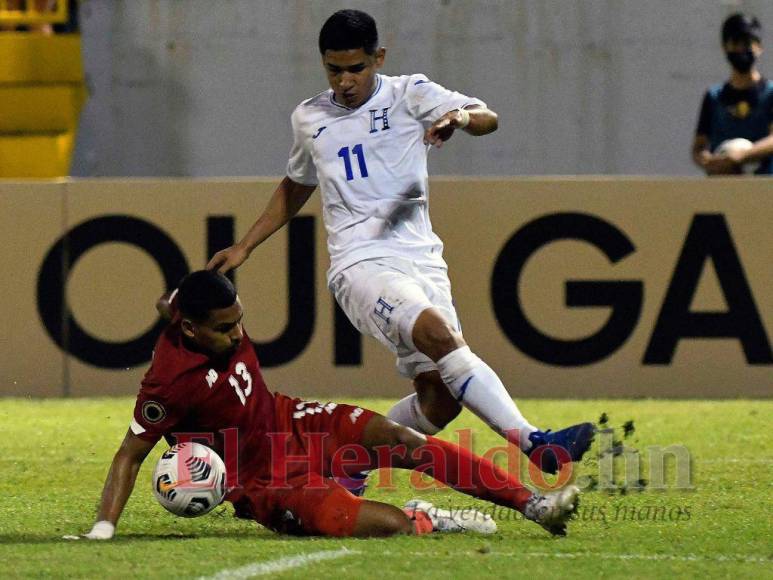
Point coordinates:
[[259, 534]]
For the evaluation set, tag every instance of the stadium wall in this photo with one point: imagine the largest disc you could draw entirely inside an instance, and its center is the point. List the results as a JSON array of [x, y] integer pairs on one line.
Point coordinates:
[[567, 287], [202, 88]]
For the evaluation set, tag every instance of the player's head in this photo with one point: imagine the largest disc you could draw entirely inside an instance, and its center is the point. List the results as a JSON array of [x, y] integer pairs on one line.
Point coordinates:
[[741, 40], [211, 312], [348, 43]]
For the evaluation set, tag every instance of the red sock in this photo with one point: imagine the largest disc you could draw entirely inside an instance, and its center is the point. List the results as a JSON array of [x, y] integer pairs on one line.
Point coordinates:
[[421, 522], [464, 471]]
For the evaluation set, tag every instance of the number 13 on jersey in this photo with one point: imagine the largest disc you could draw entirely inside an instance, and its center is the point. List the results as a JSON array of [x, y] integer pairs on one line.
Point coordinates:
[[242, 393], [343, 153]]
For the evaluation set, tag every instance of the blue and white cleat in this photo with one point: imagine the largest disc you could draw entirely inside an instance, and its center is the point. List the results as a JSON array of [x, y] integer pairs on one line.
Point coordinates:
[[560, 447]]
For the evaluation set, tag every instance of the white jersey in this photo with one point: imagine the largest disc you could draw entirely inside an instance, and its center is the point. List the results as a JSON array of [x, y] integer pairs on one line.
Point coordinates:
[[371, 166]]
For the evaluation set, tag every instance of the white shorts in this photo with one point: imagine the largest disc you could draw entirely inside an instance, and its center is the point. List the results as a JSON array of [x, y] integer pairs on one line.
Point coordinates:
[[383, 298]]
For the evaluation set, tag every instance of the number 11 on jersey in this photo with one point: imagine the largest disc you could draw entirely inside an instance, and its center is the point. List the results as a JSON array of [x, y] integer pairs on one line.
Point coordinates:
[[343, 153]]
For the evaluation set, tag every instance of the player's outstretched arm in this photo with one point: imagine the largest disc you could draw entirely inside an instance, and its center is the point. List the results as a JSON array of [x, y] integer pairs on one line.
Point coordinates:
[[119, 485], [287, 200], [475, 120]]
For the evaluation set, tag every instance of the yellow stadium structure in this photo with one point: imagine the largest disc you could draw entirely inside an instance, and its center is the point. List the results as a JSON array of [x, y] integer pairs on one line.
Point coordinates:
[[42, 92]]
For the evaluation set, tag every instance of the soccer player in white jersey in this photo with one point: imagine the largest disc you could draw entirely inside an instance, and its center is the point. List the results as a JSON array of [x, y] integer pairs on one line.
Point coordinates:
[[364, 142]]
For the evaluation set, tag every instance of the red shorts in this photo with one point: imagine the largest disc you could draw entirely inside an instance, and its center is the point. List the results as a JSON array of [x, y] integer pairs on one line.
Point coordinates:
[[299, 497]]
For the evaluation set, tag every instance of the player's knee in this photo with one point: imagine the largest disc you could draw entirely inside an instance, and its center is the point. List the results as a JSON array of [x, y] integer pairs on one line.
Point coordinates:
[[403, 440], [434, 336], [338, 515], [409, 439]]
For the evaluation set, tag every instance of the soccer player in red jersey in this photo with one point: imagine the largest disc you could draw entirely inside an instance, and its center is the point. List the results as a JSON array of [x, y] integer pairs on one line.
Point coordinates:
[[280, 452]]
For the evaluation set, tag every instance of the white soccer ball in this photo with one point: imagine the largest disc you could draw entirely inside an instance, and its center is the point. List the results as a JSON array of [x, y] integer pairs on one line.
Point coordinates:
[[738, 145], [189, 480]]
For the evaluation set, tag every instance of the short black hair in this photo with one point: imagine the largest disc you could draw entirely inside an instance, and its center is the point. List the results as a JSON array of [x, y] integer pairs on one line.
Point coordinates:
[[347, 30], [203, 291], [741, 27]]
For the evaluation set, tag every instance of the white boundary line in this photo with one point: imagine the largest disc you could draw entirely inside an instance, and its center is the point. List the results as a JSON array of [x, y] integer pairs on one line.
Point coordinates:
[[279, 565]]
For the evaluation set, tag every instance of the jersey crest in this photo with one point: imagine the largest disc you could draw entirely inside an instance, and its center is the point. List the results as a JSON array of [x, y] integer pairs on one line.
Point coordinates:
[[375, 117]]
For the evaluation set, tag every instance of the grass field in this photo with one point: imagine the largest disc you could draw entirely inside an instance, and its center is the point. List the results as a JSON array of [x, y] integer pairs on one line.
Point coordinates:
[[55, 454]]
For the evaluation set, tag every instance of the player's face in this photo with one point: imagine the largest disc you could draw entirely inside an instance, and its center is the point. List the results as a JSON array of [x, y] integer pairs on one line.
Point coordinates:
[[352, 74], [221, 333]]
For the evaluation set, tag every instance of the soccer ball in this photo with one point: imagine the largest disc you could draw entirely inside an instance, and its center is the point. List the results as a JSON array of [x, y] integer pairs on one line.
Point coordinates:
[[189, 480], [739, 144]]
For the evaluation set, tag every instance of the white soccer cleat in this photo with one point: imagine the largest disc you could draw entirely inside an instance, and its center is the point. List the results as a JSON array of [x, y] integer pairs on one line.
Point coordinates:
[[553, 510], [461, 520]]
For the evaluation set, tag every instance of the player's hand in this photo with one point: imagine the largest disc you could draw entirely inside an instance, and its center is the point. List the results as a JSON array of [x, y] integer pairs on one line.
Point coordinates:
[[442, 129], [226, 260], [722, 165], [164, 305], [103, 530]]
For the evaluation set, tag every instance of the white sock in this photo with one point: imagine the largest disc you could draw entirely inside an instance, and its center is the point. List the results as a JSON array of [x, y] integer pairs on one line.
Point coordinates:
[[477, 387], [407, 412]]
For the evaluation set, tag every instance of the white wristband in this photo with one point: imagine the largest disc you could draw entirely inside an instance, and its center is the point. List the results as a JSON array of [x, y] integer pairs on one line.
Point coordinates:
[[465, 118]]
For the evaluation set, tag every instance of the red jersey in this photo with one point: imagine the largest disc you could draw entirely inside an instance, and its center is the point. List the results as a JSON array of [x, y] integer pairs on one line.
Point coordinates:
[[185, 391]]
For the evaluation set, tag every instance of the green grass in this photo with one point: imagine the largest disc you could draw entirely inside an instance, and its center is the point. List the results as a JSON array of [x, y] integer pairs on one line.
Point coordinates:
[[55, 454]]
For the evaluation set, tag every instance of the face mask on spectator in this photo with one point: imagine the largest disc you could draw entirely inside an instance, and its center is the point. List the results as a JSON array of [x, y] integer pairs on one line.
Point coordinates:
[[741, 61]]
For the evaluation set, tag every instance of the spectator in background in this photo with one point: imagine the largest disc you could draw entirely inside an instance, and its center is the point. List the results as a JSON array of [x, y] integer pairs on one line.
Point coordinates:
[[742, 107], [38, 6]]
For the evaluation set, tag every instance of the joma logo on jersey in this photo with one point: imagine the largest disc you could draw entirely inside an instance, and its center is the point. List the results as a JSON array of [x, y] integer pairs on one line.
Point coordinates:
[[383, 117]]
